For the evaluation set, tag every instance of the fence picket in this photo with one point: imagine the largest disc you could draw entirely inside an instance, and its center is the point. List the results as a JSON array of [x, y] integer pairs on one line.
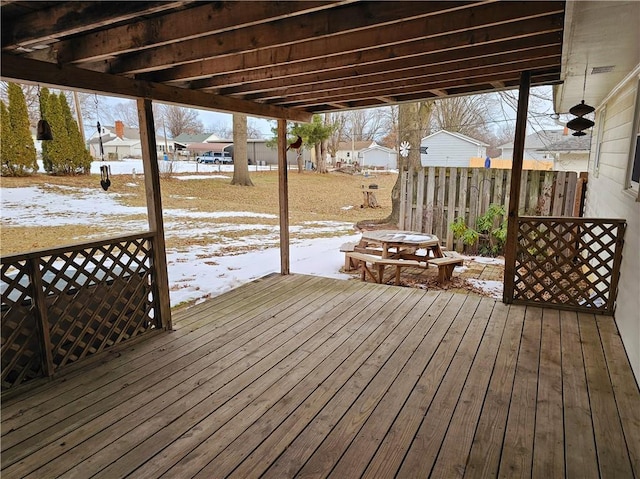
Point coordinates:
[[442, 194], [430, 199], [409, 211], [438, 219], [451, 205], [462, 209], [558, 194], [420, 200]]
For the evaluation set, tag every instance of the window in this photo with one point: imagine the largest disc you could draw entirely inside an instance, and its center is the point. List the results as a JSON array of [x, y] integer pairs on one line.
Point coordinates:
[[600, 122], [633, 175]]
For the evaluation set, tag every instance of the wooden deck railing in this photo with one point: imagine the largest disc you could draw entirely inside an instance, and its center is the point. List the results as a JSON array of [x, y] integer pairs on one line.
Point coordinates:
[[62, 305], [568, 263]]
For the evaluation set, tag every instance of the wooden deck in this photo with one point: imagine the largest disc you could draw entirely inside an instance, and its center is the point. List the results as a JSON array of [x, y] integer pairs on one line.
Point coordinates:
[[299, 376]]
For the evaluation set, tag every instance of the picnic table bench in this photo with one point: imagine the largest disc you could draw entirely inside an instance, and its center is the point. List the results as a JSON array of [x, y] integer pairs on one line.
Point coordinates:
[[400, 249], [361, 260]]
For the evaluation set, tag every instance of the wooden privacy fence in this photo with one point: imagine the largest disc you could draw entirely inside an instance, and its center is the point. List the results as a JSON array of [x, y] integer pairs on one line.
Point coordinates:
[[432, 198], [60, 306], [568, 263]]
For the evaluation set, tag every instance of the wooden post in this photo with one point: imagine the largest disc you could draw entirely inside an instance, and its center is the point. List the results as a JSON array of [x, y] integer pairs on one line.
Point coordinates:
[[154, 208], [283, 196], [42, 315], [514, 191]]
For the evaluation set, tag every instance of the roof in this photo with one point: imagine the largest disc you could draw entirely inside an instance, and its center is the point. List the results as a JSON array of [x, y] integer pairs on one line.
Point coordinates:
[[199, 138], [539, 140], [380, 148], [215, 147], [284, 60], [570, 143], [355, 146], [128, 132], [457, 135]]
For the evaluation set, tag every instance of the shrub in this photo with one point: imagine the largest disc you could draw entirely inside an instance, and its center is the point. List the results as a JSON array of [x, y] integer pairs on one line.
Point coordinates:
[[488, 236]]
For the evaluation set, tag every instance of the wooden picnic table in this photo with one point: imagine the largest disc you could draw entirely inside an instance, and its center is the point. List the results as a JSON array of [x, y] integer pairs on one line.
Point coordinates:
[[401, 244]]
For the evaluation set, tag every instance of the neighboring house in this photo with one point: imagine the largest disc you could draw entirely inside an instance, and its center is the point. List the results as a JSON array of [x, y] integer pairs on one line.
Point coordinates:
[[258, 152], [535, 145], [183, 140], [608, 36], [570, 153], [349, 152], [445, 148], [378, 157], [120, 141], [559, 148]]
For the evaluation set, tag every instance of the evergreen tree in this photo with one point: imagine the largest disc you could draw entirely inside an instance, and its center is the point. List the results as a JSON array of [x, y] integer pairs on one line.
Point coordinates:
[[66, 153], [58, 146], [19, 154], [78, 156], [7, 143]]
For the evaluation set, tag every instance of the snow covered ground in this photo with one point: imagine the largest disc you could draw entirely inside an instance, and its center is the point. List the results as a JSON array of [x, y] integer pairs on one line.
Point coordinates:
[[198, 272], [194, 273]]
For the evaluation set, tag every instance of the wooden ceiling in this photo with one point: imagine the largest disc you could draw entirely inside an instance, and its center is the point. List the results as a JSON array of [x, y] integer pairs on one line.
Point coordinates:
[[285, 59]]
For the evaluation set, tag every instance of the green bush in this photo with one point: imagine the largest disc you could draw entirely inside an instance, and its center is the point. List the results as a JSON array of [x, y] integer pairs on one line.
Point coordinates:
[[486, 238]]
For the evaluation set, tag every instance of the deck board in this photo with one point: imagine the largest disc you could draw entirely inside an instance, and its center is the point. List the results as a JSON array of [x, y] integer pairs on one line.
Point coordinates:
[[299, 376]]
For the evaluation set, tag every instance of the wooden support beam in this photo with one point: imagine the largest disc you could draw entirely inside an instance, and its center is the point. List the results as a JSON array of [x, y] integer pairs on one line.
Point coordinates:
[[514, 194], [25, 70], [154, 208], [283, 196]]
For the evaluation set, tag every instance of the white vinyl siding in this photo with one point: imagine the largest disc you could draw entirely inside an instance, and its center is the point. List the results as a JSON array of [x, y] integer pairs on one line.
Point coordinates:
[[608, 197], [445, 149]]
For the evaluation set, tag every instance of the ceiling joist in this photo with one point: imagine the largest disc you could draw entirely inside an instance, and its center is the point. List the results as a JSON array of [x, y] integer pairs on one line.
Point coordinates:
[[284, 59]]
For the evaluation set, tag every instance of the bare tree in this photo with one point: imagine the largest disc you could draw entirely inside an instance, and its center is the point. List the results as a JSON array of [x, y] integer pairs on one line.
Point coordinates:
[[220, 129], [240, 158], [463, 114], [178, 120]]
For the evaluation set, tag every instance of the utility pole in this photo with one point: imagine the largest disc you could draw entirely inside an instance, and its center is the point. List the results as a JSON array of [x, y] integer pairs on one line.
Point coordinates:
[[78, 114]]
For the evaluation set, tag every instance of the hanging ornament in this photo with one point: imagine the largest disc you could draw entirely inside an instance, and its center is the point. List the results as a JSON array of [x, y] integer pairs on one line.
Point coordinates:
[[405, 147], [105, 170], [579, 124], [581, 109]]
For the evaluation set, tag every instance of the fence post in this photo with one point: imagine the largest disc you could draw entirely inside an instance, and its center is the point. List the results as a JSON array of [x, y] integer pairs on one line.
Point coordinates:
[[404, 179]]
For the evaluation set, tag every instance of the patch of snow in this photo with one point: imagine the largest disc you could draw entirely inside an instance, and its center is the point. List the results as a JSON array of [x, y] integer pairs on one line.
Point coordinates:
[[492, 288], [487, 260]]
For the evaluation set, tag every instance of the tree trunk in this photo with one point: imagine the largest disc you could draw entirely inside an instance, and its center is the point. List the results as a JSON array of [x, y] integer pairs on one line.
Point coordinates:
[[240, 158], [321, 163], [413, 120]]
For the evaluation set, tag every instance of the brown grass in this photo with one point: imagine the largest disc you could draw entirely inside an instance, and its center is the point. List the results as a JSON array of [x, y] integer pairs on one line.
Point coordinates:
[[312, 197]]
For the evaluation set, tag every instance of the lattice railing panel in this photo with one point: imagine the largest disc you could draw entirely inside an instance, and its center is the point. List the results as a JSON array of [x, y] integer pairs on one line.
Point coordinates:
[[89, 298], [97, 297], [21, 346], [569, 262]]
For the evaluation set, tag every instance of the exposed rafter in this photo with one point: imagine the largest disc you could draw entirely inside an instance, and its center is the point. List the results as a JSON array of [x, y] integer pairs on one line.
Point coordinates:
[[287, 59]]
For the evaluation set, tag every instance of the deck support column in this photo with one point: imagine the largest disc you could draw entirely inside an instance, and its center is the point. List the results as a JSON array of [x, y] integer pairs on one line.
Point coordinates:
[[514, 192], [283, 196], [154, 208]]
